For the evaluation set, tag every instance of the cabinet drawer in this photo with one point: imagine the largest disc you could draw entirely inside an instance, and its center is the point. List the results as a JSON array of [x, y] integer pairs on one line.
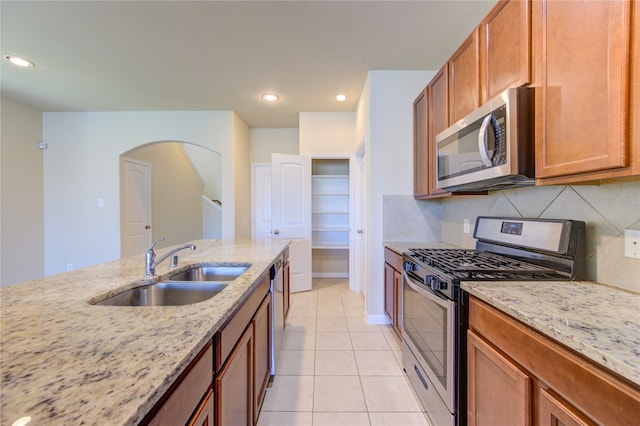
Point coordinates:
[[393, 259], [230, 333], [182, 401]]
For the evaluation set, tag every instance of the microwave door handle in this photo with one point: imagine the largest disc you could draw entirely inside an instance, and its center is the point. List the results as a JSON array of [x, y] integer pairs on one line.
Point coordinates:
[[482, 141]]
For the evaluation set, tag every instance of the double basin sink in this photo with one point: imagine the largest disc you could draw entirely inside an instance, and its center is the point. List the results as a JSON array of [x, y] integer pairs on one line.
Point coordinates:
[[193, 285]]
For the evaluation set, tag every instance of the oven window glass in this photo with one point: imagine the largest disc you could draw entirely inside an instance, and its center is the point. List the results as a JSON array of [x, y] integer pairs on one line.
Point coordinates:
[[425, 323]]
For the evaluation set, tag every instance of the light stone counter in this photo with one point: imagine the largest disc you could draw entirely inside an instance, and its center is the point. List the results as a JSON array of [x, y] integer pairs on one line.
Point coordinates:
[[64, 361], [400, 247], [600, 322]]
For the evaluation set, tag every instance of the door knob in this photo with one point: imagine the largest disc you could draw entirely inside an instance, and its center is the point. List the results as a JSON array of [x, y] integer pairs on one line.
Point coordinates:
[[276, 232], [359, 231]]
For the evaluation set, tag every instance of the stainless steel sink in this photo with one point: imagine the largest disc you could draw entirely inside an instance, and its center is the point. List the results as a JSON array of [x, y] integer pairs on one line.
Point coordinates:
[[165, 294], [210, 273]]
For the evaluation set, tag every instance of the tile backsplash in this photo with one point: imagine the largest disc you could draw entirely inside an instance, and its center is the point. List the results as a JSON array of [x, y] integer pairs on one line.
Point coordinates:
[[607, 211]]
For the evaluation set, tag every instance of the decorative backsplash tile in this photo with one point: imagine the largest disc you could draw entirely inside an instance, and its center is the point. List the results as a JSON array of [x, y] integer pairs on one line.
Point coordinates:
[[607, 211]]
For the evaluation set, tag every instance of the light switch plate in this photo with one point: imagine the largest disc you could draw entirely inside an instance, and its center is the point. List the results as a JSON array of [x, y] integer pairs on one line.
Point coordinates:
[[632, 243]]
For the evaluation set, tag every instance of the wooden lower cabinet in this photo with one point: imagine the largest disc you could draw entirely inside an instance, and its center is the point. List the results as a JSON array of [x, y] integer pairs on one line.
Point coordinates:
[[517, 376], [234, 385], [393, 289], [184, 396], [286, 284], [499, 391], [204, 415], [262, 352]]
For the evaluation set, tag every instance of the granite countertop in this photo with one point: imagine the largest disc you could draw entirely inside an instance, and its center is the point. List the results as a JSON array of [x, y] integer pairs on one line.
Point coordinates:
[[400, 247], [65, 361], [600, 322]]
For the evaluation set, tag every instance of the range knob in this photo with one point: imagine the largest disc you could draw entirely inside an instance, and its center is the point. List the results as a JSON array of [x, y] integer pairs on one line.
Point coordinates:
[[410, 266], [436, 283]]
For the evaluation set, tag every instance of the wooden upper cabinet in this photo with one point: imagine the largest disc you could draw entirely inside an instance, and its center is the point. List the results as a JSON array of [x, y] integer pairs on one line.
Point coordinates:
[[464, 79], [438, 120], [420, 147], [581, 74], [505, 48]]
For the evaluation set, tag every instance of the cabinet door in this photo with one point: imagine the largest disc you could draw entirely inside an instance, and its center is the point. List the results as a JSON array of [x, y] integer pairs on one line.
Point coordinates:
[[552, 411], [499, 392], [464, 79], [505, 52], [388, 291], [234, 385], [397, 302], [262, 351], [286, 271], [204, 416], [438, 120], [420, 147], [582, 70]]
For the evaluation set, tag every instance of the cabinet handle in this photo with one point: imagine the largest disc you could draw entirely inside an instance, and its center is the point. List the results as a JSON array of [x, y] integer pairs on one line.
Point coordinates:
[[276, 232], [359, 231], [147, 227]]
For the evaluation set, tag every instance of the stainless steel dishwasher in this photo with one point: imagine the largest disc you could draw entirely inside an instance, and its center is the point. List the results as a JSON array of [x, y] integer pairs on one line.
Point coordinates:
[[277, 312]]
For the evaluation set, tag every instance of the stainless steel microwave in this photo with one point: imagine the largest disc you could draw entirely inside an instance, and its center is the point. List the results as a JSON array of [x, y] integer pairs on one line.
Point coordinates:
[[491, 148]]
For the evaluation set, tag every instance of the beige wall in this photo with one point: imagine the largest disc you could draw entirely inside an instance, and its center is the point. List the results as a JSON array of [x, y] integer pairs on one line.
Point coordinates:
[[176, 193], [242, 178], [21, 194], [264, 142], [327, 133]]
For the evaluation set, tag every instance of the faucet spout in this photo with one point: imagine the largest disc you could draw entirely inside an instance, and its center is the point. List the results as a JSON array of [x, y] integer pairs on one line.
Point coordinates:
[[150, 257]]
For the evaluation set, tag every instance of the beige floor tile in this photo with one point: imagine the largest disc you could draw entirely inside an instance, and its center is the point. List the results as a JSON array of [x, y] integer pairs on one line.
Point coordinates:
[[335, 363], [338, 394], [304, 298], [285, 418], [352, 298], [396, 419], [369, 341], [392, 338], [341, 419], [303, 310], [333, 341], [353, 311], [300, 324], [377, 363], [298, 341], [330, 310], [356, 324], [332, 324], [290, 393], [296, 363], [388, 394]]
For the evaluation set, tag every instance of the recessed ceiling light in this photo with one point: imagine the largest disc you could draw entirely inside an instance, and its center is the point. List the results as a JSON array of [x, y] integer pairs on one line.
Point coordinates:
[[21, 62], [270, 97], [340, 97]]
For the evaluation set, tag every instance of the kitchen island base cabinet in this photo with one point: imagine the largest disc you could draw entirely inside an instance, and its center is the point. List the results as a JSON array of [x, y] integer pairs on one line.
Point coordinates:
[[538, 379], [243, 360], [234, 385], [188, 395]]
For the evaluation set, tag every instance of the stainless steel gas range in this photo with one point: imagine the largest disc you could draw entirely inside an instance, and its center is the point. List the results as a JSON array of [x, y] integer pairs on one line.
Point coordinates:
[[435, 308]]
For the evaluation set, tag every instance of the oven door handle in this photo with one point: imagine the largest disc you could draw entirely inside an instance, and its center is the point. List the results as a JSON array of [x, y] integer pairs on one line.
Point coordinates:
[[427, 293]]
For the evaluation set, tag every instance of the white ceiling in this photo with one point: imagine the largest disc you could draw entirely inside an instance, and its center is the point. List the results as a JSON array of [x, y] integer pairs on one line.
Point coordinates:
[[221, 55]]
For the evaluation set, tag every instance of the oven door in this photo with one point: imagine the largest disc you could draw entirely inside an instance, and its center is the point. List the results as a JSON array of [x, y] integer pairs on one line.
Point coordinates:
[[428, 331]]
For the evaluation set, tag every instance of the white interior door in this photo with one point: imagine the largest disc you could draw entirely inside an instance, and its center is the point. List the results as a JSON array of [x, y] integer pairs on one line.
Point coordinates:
[[261, 189], [291, 213], [135, 207]]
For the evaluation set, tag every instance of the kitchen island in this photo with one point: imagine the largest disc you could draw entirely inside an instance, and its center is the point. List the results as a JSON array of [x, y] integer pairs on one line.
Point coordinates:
[[66, 361]]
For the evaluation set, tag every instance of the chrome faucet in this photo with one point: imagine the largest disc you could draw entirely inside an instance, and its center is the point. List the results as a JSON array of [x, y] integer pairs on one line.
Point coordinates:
[[150, 261]]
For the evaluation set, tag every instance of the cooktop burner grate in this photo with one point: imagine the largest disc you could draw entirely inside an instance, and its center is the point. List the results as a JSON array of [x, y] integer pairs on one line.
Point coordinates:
[[478, 265]]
